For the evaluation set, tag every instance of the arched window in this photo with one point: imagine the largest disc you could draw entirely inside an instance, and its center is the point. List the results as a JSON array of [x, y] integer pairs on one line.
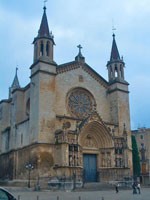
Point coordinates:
[[21, 138], [47, 48], [28, 107], [41, 49], [35, 52], [121, 71], [111, 72], [116, 71]]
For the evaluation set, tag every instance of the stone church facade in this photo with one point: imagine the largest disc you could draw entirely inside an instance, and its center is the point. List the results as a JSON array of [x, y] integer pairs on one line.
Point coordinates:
[[68, 120]]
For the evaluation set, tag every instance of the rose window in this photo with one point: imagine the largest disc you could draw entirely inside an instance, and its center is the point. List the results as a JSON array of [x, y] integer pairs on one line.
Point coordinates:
[[80, 103]]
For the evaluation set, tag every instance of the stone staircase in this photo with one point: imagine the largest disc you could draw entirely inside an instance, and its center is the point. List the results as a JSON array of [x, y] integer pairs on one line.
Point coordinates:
[[22, 185], [96, 186]]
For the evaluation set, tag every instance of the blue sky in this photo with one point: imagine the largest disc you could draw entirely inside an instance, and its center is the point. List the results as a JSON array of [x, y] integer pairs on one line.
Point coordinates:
[[84, 22]]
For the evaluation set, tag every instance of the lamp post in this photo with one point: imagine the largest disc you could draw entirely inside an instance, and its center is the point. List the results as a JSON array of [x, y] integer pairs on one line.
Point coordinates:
[[29, 167]]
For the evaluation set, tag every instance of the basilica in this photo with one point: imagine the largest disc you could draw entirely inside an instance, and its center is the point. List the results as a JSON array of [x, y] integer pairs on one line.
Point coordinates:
[[67, 120]]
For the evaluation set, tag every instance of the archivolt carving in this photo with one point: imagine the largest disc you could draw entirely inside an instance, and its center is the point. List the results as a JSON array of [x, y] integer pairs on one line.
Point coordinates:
[[90, 142], [100, 137]]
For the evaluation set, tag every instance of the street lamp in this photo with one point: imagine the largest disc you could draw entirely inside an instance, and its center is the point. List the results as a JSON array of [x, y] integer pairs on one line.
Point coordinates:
[[29, 167]]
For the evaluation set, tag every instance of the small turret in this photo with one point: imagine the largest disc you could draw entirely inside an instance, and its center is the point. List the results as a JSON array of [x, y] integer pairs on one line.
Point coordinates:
[[15, 84]]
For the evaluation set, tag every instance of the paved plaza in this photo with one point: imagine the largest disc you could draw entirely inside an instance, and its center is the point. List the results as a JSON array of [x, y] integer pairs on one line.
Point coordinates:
[[81, 195]]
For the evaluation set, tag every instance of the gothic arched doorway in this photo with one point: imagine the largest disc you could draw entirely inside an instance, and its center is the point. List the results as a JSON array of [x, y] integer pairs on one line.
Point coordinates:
[[94, 137]]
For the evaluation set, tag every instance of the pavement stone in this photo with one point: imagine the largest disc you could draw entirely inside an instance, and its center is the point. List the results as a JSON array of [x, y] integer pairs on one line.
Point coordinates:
[[29, 194]]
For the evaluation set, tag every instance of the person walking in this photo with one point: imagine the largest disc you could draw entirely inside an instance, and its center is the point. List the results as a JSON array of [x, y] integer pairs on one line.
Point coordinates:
[[139, 188], [134, 188], [116, 187]]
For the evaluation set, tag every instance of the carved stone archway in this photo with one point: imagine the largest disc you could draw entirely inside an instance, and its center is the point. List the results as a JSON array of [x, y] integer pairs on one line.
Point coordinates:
[[94, 133], [96, 141]]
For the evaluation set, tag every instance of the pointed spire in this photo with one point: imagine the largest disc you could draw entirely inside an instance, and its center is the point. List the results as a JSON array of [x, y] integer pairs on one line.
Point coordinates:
[[114, 51], [80, 57], [15, 83], [44, 29]]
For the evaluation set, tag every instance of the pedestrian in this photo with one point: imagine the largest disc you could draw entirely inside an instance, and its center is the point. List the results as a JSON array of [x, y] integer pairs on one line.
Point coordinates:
[[116, 187], [139, 188], [134, 188]]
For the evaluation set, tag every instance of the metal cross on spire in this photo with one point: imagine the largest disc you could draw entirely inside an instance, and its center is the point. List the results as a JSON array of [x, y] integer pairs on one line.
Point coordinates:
[[80, 47], [16, 69], [79, 57]]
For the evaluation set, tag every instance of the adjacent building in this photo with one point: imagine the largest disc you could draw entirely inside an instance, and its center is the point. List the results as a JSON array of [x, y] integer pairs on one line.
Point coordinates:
[[142, 136]]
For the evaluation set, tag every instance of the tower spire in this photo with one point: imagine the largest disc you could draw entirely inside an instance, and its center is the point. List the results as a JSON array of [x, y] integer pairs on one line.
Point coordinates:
[[44, 42], [114, 50], [115, 65], [44, 28]]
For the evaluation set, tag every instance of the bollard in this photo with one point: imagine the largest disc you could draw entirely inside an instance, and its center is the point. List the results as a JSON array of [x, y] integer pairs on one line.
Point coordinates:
[[18, 197], [38, 197], [102, 198], [79, 198], [57, 197]]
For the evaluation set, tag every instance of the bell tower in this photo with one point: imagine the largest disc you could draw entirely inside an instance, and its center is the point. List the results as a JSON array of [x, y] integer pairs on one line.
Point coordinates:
[[118, 90], [118, 94], [44, 42], [42, 85], [116, 65]]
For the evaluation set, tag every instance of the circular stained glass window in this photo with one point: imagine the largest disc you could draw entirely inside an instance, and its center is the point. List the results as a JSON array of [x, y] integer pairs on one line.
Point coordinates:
[[80, 103]]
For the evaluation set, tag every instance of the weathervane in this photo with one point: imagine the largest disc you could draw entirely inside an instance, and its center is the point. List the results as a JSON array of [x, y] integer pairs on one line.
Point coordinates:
[[45, 3], [113, 28]]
